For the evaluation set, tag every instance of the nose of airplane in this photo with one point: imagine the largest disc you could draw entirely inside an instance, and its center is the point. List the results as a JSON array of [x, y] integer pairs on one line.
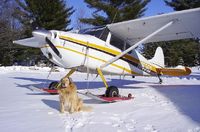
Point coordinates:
[[45, 37], [41, 34]]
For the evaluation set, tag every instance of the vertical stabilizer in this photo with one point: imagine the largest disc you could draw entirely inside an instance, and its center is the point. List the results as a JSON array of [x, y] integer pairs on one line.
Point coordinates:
[[158, 58]]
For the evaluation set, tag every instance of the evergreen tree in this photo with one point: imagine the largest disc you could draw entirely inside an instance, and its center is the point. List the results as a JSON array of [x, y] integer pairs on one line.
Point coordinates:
[[183, 4], [34, 14], [197, 60], [187, 50], [175, 52], [193, 50], [47, 14], [9, 31], [111, 11]]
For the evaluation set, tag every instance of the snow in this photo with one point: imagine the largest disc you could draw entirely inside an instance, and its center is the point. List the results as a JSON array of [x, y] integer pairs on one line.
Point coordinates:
[[169, 107]]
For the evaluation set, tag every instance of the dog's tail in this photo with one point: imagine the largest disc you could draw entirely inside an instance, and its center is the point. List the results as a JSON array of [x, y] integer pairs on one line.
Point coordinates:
[[87, 108]]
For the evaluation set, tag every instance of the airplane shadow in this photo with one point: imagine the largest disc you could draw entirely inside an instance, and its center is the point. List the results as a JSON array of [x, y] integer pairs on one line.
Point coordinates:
[[190, 77], [33, 79], [55, 104], [93, 101], [52, 104], [43, 83], [124, 84], [185, 97]]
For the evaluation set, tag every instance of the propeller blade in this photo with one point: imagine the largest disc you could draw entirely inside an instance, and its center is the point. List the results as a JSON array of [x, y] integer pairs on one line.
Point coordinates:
[[44, 35], [53, 47]]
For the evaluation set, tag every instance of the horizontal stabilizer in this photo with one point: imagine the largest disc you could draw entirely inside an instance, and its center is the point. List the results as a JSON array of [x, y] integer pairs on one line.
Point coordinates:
[[178, 71]]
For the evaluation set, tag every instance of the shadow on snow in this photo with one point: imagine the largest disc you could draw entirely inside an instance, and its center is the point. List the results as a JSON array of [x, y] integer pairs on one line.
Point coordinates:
[[43, 83], [51, 103], [185, 97]]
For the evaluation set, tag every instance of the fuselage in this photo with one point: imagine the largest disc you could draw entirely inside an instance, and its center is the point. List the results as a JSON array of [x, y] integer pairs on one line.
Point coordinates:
[[89, 52]]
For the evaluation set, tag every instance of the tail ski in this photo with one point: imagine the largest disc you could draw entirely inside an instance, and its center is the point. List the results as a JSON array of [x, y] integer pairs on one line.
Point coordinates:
[[158, 58]]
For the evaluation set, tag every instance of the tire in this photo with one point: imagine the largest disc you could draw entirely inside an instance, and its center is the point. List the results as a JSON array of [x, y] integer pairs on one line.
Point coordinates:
[[53, 85], [112, 91]]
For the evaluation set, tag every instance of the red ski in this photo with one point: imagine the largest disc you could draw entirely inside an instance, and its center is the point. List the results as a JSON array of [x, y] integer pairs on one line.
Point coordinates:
[[103, 98], [50, 91]]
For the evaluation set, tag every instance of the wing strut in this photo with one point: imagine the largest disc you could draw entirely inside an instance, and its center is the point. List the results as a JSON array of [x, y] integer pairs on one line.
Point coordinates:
[[135, 45]]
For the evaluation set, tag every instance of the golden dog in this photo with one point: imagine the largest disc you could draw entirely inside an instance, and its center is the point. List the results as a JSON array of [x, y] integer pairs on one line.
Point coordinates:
[[69, 100]]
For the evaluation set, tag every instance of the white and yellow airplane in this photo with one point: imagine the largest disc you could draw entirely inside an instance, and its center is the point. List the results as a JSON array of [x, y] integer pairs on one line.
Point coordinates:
[[104, 50]]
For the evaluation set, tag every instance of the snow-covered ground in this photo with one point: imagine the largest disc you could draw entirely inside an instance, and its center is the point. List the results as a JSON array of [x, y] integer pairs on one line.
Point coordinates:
[[173, 106]]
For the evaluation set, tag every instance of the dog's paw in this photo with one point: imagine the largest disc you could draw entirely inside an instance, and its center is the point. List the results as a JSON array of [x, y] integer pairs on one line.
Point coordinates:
[[86, 108], [62, 112]]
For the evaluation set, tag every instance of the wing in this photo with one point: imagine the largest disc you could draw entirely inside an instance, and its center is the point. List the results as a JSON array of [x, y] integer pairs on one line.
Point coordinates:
[[186, 26], [172, 26]]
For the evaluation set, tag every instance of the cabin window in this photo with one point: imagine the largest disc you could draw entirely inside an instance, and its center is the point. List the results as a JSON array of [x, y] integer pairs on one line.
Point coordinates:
[[102, 33], [54, 34], [99, 32], [119, 43]]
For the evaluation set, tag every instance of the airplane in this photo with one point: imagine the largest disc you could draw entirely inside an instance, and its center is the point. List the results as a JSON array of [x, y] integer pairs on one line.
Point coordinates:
[[111, 49]]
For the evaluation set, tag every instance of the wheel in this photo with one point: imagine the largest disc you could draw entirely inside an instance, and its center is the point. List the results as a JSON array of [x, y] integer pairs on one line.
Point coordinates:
[[112, 91], [53, 85]]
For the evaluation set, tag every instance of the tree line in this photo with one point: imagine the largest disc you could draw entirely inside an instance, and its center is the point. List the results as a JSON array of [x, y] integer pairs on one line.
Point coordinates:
[[18, 18]]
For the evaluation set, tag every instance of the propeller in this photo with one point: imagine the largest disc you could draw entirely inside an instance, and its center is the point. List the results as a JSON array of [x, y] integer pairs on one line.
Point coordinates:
[[44, 35], [53, 47]]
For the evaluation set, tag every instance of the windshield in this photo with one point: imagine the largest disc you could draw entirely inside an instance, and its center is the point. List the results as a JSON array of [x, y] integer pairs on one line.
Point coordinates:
[[99, 32], [102, 33]]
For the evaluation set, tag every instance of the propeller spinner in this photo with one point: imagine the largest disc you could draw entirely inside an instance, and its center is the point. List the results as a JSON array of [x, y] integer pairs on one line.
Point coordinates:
[[45, 35]]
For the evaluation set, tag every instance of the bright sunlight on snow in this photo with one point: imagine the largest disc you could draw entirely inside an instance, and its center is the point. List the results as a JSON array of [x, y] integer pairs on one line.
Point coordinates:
[[169, 107]]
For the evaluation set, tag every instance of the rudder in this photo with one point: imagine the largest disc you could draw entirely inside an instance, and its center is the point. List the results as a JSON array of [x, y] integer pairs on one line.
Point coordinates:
[[158, 58]]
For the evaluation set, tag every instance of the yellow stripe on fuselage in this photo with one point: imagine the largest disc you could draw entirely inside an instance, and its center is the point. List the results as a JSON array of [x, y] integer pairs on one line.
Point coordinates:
[[110, 51], [80, 53]]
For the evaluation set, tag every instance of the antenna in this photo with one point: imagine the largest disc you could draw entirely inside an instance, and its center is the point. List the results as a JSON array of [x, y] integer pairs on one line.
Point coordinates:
[[114, 17], [106, 28]]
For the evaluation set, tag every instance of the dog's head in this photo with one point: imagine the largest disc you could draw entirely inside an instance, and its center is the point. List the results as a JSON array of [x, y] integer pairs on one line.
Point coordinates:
[[65, 82]]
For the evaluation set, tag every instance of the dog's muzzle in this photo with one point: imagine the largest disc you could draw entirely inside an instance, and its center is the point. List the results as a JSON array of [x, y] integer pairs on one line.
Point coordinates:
[[63, 86]]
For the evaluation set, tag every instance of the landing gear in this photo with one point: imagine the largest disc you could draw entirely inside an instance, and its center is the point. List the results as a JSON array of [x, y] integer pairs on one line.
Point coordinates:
[[112, 91], [160, 80], [53, 85], [111, 94], [66, 76]]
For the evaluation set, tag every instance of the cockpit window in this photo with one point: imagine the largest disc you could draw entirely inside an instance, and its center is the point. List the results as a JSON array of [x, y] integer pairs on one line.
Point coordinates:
[[119, 43], [99, 32], [102, 33], [54, 34]]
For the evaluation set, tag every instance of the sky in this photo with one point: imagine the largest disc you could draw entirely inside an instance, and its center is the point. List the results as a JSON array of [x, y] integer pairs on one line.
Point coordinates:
[[153, 8]]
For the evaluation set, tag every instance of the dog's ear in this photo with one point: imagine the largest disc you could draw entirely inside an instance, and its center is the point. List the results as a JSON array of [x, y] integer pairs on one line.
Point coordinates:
[[70, 80]]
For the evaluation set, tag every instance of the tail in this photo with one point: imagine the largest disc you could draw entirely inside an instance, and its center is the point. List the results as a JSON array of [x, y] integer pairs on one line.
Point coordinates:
[[158, 58], [86, 108]]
